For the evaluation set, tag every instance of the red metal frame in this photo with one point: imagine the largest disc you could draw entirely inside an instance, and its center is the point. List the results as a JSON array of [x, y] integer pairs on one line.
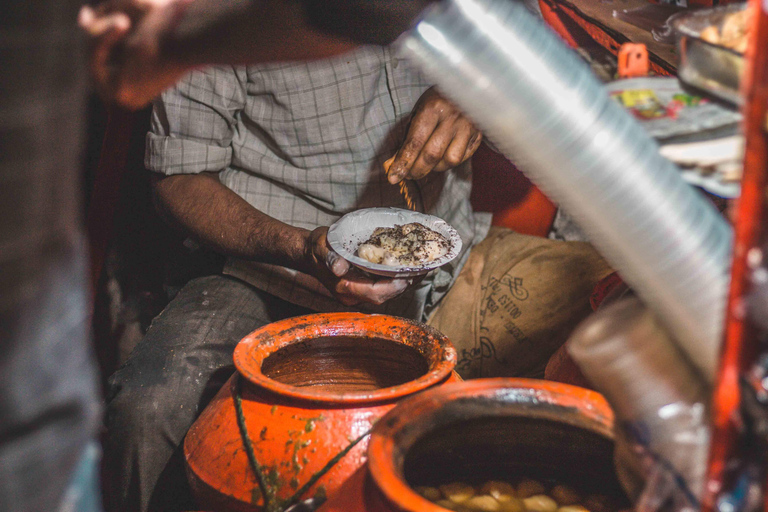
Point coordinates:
[[740, 347], [558, 15], [740, 343]]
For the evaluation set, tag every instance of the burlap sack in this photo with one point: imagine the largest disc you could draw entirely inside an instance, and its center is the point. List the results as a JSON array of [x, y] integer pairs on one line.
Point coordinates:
[[516, 301]]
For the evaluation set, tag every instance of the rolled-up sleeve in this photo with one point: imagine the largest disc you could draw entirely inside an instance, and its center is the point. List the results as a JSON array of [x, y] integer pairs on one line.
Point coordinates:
[[194, 122]]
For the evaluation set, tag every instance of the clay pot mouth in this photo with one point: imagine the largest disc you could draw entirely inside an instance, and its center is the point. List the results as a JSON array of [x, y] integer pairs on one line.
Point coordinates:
[[345, 358], [476, 431]]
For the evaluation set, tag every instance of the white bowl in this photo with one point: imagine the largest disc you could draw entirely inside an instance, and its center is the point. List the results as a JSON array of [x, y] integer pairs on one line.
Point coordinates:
[[347, 233]]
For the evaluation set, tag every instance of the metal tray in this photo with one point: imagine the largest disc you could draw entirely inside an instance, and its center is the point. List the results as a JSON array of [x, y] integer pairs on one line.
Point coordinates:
[[706, 66]]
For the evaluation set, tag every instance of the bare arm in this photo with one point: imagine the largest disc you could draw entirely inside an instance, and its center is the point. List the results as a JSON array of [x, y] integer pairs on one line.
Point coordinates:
[[218, 218], [138, 48]]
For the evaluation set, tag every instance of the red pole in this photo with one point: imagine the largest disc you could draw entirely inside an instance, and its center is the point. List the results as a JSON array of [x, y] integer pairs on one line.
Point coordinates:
[[740, 345]]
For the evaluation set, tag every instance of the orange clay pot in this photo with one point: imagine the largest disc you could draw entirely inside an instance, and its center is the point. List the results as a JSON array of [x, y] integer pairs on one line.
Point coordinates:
[[480, 430], [310, 386]]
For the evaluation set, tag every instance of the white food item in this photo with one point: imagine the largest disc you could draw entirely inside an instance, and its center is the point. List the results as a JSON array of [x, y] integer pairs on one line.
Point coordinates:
[[457, 491], [371, 253], [406, 245], [512, 505], [431, 493], [540, 503], [572, 508], [481, 504], [501, 491]]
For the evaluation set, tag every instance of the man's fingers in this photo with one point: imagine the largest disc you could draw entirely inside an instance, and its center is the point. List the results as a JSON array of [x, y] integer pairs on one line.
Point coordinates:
[[455, 154], [348, 285], [450, 143], [474, 143], [431, 156], [105, 32], [336, 264], [85, 17], [367, 290], [422, 126], [99, 26], [324, 254]]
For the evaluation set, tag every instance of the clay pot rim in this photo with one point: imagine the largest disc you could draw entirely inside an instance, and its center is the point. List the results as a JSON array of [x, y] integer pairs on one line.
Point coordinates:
[[396, 432], [261, 343]]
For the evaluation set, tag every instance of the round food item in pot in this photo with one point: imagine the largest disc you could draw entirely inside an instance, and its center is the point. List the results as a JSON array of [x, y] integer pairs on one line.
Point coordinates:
[[484, 503], [512, 505], [430, 493], [540, 503], [448, 504], [501, 491], [457, 492], [572, 508]]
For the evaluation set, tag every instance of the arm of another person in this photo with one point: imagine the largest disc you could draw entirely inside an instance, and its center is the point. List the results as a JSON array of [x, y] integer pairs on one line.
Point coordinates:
[[140, 47], [189, 146]]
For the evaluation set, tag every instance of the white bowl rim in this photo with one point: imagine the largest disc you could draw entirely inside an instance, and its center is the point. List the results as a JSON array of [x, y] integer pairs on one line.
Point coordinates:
[[347, 233]]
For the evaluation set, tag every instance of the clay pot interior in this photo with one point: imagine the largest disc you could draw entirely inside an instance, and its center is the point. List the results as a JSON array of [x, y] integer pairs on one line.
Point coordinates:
[[345, 364], [513, 448], [345, 358], [496, 429]]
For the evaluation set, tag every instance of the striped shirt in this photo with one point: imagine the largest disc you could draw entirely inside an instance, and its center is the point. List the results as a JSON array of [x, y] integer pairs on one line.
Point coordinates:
[[304, 142]]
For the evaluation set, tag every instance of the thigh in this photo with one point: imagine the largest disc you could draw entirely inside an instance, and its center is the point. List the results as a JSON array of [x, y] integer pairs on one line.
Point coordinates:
[[167, 380], [186, 354]]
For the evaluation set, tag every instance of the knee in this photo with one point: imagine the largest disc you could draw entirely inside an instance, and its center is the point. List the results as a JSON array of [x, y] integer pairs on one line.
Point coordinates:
[[149, 405], [134, 406]]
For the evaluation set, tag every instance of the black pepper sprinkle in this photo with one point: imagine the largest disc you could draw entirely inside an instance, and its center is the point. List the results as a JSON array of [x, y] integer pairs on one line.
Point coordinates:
[[410, 239]]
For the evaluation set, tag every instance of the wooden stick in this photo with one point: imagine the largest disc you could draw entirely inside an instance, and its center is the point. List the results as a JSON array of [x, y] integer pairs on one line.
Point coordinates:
[[404, 190]]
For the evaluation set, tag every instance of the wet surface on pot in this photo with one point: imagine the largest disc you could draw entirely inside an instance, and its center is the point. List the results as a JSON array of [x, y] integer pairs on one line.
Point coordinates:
[[294, 422], [345, 364]]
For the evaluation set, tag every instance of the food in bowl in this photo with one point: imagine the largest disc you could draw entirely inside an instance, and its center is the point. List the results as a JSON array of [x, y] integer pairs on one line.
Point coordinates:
[[407, 245], [526, 495], [733, 33]]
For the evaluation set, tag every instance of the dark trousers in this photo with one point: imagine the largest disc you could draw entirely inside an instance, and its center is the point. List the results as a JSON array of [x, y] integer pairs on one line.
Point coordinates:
[[172, 374]]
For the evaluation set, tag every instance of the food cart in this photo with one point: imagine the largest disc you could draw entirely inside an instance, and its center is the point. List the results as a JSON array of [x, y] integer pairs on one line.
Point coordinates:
[[683, 275]]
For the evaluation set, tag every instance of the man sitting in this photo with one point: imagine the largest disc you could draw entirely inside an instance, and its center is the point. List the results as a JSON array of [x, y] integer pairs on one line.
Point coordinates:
[[256, 162]]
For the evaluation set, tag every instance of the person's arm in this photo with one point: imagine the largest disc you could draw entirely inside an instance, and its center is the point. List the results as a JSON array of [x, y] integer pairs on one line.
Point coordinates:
[[218, 218], [138, 48], [200, 205], [190, 142]]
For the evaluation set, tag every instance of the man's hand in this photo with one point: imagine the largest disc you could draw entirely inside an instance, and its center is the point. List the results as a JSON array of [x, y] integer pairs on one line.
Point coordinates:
[[439, 138], [201, 206], [125, 48], [349, 286]]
